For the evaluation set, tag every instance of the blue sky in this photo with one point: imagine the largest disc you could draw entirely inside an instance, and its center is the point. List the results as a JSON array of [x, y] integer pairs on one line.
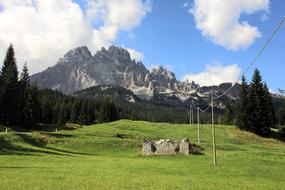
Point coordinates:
[[206, 41], [168, 36]]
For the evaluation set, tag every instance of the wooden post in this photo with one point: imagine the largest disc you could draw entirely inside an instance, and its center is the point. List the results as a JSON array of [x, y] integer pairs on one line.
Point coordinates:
[[190, 114], [213, 132], [198, 123]]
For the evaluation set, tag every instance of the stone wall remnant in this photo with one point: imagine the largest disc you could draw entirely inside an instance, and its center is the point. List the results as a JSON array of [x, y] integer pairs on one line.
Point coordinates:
[[169, 147]]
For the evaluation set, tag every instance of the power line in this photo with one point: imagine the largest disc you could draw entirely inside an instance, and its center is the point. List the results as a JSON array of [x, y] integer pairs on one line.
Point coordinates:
[[255, 58], [249, 66]]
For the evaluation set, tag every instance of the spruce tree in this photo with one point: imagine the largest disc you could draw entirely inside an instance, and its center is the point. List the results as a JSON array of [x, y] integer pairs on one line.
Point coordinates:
[[243, 106], [25, 99], [269, 113], [9, 90], [257, 106], [25, 77]]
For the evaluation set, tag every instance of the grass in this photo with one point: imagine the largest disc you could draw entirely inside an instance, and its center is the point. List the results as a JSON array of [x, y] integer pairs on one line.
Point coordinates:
[[108, 156]]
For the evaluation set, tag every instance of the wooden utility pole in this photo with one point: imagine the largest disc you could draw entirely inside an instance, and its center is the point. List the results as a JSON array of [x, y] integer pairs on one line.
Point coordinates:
[[190, 114], [213, 132], [198, 123]]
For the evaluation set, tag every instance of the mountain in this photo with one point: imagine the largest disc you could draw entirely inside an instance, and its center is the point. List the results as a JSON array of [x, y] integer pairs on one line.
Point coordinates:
[[78, 69]]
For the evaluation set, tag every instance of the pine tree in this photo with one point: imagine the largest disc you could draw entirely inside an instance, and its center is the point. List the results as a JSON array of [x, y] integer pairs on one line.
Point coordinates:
[[243, 106], [257, 106], [9, 89], [25, 99], [268, 107]]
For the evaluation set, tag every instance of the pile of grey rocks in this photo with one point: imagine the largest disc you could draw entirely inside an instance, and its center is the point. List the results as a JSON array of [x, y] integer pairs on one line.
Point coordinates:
[[169, 147]]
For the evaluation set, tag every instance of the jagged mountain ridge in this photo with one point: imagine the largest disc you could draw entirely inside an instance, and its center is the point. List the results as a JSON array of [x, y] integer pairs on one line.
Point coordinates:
[[78, 70]]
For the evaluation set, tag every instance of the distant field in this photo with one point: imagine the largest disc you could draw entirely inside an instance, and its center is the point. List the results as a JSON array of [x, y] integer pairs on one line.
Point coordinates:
[[95, 157]]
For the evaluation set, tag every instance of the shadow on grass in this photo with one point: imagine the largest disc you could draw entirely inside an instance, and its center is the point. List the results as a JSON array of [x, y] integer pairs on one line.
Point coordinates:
[[70, 152], [9, 149], [6, 148], [38, 142]]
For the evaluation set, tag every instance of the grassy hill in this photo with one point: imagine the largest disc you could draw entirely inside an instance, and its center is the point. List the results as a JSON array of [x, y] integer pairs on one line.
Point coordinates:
[[107, 156]]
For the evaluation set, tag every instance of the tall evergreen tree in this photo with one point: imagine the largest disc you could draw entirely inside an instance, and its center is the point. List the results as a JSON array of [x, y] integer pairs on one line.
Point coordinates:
[[268, 108], [25, 99], [257, 106], [9, 90], [243, 106]]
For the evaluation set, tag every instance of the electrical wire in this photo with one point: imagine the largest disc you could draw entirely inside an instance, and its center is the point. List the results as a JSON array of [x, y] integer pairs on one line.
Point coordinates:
[[249, 66]]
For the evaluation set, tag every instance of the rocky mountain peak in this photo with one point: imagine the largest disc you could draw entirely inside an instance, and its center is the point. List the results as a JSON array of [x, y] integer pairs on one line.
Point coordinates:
[[78, 55], [161, 71], [118, 52]]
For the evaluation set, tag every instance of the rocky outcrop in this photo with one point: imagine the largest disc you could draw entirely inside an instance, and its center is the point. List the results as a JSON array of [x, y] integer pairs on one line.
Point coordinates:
[[169, 147]]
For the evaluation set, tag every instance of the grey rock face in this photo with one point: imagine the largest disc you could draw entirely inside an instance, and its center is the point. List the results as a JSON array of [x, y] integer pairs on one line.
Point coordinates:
[[78, 70]]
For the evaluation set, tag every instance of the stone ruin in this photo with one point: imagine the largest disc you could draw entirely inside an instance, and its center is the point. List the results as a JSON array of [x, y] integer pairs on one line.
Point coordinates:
[[169, 147]]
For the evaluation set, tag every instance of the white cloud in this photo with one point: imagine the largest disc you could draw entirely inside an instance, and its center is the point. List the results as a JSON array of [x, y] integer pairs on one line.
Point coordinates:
[[43, 30], [114, 16], [215, 74], [219, 20]]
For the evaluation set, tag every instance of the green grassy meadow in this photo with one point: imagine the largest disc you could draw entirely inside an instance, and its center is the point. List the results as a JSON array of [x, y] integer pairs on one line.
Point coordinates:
[[108, 156]]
